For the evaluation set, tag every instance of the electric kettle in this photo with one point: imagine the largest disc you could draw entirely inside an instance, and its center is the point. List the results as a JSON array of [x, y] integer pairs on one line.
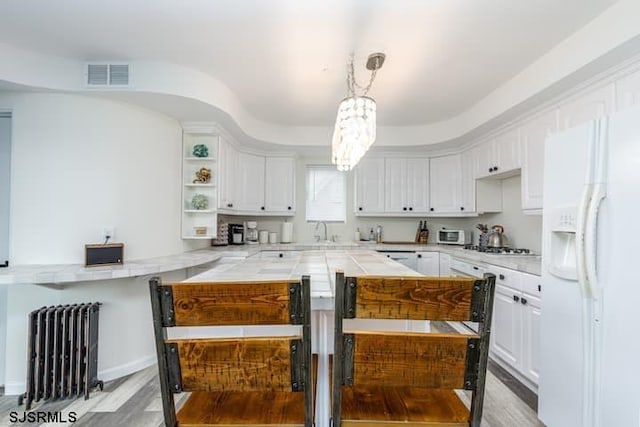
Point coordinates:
[[496, 238]]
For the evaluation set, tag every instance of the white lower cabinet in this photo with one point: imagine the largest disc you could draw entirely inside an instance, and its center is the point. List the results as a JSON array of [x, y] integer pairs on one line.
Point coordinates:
[[445, 264], [515, 331], [428, 263]]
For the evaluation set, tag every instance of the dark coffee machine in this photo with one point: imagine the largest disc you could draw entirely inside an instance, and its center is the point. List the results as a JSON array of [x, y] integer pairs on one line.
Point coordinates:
[[236, 234]]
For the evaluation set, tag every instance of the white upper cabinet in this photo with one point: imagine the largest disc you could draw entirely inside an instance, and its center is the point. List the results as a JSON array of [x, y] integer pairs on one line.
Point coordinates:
[[418, 185], [395, 185], [250, 183], [484, 159], [501, 154], [370, 186], [533, 135], [279, 191], [228, 167], [445, 182], [406, 185], [590, 106], [628, 91], [507, 151], [467, 182]]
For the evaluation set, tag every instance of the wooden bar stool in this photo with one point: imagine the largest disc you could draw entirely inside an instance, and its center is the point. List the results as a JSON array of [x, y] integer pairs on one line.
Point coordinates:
[[409, 378], [235, 381]]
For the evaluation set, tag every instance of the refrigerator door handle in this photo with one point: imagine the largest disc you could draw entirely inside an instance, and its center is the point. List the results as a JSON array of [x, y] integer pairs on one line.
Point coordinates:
[[591, 236], [581, 225]]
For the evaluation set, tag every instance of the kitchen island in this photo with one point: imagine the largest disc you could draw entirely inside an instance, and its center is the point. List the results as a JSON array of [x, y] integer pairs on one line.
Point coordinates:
[[321, 265]]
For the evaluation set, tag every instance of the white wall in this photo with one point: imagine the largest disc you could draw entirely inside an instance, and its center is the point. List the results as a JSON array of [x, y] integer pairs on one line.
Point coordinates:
[[82, 163], [125, 333], [524, 230], [5, 179]]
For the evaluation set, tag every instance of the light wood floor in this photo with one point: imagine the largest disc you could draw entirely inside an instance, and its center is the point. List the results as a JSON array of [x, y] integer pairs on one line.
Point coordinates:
[[135, 401]]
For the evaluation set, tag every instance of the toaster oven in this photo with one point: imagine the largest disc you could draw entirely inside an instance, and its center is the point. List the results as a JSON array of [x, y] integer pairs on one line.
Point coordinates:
[[453, 237]]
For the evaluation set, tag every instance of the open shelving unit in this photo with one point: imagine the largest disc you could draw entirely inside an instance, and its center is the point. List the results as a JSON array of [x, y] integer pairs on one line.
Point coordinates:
[[207, 217]]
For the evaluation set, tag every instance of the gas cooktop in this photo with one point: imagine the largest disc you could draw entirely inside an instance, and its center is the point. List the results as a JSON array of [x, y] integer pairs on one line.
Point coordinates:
[[499, 251]]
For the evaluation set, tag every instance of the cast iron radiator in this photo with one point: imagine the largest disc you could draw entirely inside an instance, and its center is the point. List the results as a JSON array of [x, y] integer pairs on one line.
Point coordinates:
[[62, 352]]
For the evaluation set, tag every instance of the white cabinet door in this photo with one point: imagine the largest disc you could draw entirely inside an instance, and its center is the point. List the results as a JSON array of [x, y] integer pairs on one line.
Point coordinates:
[[369, 182], [531, 314], [628, 91], [417, 185], [227, 175], [468, 182], [250, 183], [507, 151], [484, 159], [395, 185], [533, 134], [428, 263], [445, 265], [506, 327], [445, 184], [279, 191], [593, 105]]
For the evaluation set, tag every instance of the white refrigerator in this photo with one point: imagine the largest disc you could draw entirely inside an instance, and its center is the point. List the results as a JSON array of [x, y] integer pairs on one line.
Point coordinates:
[[589, 339]]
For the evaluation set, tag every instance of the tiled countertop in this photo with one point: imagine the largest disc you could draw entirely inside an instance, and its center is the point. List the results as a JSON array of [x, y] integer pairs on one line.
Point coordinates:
[[68, 273], [524, 263], [321, 265]]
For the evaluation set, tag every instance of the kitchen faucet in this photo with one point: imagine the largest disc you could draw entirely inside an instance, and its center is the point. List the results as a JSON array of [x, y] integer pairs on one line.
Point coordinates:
[[325, 230]]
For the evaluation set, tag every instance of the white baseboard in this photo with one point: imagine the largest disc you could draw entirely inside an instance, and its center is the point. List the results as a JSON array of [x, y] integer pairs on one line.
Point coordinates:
[[17, 388], [129, 368]]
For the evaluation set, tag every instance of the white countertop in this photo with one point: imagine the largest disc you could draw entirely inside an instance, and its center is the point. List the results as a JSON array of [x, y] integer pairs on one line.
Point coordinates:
[[69, 273], [321, 265]]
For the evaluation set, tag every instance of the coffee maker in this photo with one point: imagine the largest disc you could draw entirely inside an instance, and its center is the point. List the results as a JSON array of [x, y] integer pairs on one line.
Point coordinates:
[[252, 233], [236, 234]]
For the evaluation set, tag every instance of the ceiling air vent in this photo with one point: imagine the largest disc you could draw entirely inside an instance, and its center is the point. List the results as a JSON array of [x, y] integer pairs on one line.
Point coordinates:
[[105, 74]]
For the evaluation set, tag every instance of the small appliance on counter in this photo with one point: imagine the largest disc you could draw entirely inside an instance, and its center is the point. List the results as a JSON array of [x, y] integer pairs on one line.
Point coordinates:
[[263, 236], [252, 233], [453, 237], [236, 234]]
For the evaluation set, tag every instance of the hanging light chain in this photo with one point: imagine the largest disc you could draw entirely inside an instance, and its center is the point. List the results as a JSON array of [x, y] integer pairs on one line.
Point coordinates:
[[351, 79]]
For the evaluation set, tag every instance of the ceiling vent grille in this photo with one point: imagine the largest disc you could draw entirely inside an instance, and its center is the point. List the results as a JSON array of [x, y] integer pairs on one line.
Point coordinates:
[[104, 74]]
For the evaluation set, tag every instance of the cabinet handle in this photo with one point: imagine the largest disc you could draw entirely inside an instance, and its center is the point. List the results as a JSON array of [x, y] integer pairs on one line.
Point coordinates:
[[410, 209], [229, 205], [495, 168], [280, 255], [431, 209], [419, 255], [475, 268], [262, 208], [360, 208], [516, 298], [289, 208], [523, 301], [404, 209], [501, 276], [490, 169], [539, 288], [461, 208]]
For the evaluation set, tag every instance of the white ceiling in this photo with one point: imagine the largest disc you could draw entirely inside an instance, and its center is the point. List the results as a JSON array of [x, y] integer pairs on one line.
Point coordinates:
[[286, 59]]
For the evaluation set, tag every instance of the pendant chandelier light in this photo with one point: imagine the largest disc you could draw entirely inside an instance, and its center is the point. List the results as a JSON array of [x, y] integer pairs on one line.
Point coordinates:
[[355, 128]]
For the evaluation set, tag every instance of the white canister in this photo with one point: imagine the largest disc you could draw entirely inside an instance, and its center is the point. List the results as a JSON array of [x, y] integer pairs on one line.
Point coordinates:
[[263, 236], [273, 237]]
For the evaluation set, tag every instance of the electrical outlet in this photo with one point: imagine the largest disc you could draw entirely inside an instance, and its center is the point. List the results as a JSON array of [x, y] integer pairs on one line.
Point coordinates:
[[108, 233]]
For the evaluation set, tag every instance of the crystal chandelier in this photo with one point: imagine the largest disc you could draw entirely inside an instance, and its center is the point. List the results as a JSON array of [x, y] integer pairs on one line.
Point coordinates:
[[355, 128]]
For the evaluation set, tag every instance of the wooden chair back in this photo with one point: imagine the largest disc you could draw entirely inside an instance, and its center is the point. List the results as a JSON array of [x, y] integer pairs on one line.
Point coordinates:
[[243, 364], [412, 359]]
